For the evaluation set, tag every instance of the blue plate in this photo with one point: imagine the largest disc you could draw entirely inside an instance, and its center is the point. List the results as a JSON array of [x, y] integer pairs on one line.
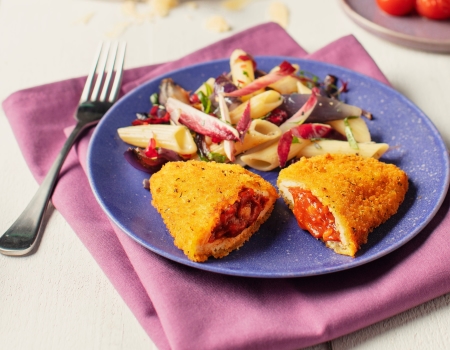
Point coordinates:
[[280, 248]]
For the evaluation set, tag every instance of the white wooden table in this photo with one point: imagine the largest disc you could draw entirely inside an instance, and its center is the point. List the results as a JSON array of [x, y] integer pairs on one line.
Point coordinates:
[[58, 298]]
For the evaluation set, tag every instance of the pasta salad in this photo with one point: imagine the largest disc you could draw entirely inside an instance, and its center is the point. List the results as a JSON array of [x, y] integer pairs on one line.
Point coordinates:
[[264, 120]]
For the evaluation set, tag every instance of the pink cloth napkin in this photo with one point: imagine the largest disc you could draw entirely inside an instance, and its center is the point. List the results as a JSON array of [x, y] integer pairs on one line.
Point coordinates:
[[184, 308]]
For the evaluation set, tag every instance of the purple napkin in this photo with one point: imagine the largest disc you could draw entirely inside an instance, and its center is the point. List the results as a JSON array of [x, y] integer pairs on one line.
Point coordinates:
[[184, 308]]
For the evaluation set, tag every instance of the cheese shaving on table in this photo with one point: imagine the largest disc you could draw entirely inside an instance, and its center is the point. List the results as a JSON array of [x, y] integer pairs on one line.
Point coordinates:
[[217, 24], [129, 9], [192, 4], [85, 19], [118, 29], [235, 5], [279, 13], [162, 7]]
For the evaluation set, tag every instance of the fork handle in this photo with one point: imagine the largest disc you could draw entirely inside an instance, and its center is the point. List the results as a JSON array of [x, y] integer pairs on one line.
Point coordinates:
[[22, 236]]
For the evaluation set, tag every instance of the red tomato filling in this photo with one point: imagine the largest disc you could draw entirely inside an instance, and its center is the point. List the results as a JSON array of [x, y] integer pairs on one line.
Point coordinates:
[[313, 216], [240, 215]]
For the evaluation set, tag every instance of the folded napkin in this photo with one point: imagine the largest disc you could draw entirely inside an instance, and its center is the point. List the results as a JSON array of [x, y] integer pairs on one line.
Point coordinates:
[[185, 308]]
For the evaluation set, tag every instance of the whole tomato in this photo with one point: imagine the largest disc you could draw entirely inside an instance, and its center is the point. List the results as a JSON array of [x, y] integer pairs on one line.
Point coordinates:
[[397, 7], [433, 9]]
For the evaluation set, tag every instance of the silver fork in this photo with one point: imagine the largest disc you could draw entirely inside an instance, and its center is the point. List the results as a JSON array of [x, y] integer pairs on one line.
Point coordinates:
[[97, 97]]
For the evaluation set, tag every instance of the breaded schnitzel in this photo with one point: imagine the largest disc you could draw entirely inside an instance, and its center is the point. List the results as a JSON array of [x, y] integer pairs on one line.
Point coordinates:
[[340, 198], [210, 208]]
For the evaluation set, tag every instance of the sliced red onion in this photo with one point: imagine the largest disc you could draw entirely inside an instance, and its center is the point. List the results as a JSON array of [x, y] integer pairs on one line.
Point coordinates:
[[311, 131], [285, 69], [225, 115], [137, 158], [223, 84], [284, 146], [303, 113], [244, 122], [169, 89], [202, 147], [169, 155], [303, 131], [161, 117], [330, 88], [229, 148], [277, 116], [327, 109], [200, 122], [259, 73]]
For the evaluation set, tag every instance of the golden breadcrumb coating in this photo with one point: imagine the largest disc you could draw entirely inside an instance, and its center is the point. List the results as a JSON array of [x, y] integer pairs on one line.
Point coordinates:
[[361, 193], [190, 197]]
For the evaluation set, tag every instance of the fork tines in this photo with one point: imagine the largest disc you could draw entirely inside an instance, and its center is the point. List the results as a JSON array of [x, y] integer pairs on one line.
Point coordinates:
[[108, 64]]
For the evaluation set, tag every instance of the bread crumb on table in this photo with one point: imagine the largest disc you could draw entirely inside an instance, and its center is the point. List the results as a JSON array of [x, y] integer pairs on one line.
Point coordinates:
[[279, 13]]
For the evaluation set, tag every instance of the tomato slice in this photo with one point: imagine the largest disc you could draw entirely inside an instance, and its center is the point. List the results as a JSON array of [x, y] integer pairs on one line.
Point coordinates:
[[397, 7], [433, 9]]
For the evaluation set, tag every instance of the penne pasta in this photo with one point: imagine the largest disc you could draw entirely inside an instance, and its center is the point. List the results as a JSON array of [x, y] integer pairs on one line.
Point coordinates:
[[287, 85], [242, 70], [260, 132], [266, 159], [202, 88], [174, 137], [260, 105], [223, 135], [367, 150], [359, 128], [303, 89]]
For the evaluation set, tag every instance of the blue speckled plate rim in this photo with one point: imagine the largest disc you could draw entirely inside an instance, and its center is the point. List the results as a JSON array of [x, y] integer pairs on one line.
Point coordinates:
[[261, 274]]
